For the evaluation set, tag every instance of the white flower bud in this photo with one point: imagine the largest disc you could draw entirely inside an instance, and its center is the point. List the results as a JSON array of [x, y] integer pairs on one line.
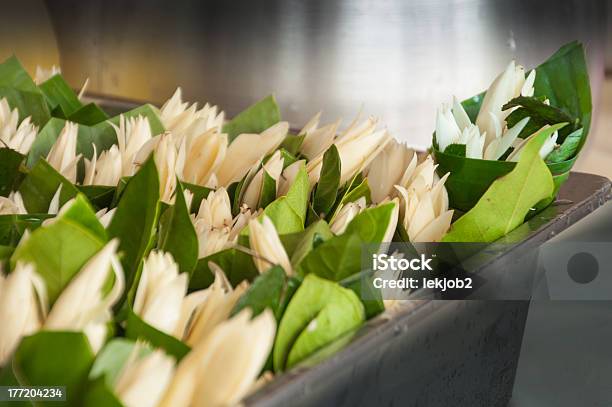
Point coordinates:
[[63, 156], [266, 244]]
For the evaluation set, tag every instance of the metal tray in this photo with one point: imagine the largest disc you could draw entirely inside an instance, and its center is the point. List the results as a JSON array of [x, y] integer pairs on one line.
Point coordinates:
[[437, 352]]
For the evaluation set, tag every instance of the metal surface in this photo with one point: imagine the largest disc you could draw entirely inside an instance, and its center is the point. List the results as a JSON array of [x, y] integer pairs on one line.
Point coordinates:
[[442, 353], [400, 59]]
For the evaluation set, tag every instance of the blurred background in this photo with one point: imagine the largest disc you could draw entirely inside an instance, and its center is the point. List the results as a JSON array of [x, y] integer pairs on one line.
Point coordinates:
[[397, 59]]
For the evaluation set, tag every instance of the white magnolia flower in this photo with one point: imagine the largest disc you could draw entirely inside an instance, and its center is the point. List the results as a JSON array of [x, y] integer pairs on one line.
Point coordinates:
[[266, 244], [205, 309], [187, 122], [424, 208], [160, 292], [247, 150], [508, 85], [357, 147], [221, 370], [63, 156], [273, 168], [211, 240], [85, 305], [12, 205], [288, 177], [132, 134], [22, 307], [387, 170], [43, 74], [143, 380], [104, 170], [317, 139], [204, 154], [215, 210], [18, 138], [346, 214]]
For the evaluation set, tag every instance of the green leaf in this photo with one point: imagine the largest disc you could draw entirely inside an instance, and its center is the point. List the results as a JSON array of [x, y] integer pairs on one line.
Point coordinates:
[[41, 184], [237, 265], [319, 312], [292, 143], [540, 114], [58, 93], [564, 80], [268, 190], [100, 196], [135, 219], [456, 149], [10, 161], [288, 158], [44, 140], [29, 104], [12, 74], [567, 149], [111, 359], [355, 192], [362, 284], [199, 193], [60, 249], [177, 235], [99, 394], [12, 227], [327, 187], [255, 119], [55, 359], [89, 115], [288, 213], [138, 329], [299, 244], [504, 206], [371, 224], [266, 291]]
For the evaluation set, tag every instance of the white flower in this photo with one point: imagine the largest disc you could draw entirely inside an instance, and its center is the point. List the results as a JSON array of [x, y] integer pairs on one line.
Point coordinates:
[[204, 153], [288, 176], [215, 210], [187, 122], [132, 134], [63, 156], [85, 305], [22, 307], [387, 169], [273, 168], [346, 214], [143, 380], [357, 147], [205, 309], [424, 209], [247, 150], [266, 244], [160, 292], [12, 205], [43, 74], [317, 139], [221, 370], [18, 138], [104, 170]]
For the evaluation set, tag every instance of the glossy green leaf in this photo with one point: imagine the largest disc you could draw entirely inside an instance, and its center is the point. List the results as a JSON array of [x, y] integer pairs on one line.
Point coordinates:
[[266, 291], [112, 357], [10, 161], [98, 393], [567, 149], [55, 359], [237, 265], [506, 203], [29, 104], [60, 249], [89, 115], [455, 149], [288, 213], [177, 235], [12, 227], [268, 190], [319, 312], [58, 93], [40, 185], [13, 74], [199, 193], [540, 114], [292, 143], [299, 244], [255, 119], [100, 196], [135, 219], [138, 329], [329, 181]]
